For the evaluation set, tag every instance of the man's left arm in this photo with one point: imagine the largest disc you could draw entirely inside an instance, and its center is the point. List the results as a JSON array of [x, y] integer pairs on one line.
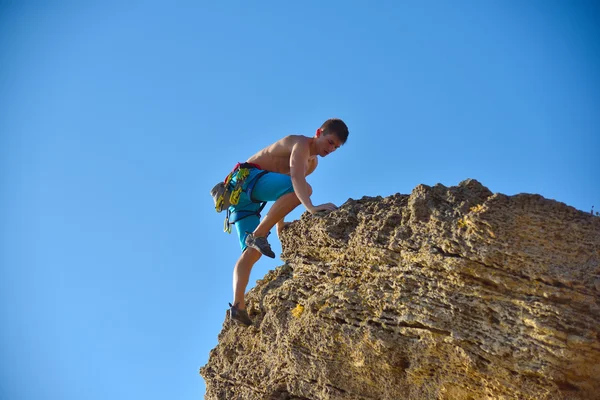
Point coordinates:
[[311, 167]]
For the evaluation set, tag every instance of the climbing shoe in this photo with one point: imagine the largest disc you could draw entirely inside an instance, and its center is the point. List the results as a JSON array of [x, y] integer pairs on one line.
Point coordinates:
[[241, 316], [260, 244]]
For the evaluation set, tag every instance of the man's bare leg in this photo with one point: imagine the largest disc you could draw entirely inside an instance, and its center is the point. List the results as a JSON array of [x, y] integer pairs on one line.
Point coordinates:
[[282, 207], [241, 275]]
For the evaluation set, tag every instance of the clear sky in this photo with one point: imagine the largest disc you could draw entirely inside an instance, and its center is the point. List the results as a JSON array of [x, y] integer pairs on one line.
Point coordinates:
[[117, 119]]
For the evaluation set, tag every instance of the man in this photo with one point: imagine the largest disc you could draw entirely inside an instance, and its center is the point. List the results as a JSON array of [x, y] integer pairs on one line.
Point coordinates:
[[276, 173]]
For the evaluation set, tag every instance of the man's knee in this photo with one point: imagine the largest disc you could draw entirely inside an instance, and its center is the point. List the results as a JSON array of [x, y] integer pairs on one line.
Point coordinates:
[[249, 255], [309, 191]]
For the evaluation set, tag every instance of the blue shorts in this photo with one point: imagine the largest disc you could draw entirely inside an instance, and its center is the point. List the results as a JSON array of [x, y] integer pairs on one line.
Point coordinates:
[[269, 187]]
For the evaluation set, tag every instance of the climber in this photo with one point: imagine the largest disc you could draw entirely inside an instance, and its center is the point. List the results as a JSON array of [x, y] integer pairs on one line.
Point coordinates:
[[276, 173]]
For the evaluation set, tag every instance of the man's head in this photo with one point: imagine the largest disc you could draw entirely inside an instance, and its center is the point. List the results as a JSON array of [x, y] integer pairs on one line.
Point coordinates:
[[331, 135], [336, 127]]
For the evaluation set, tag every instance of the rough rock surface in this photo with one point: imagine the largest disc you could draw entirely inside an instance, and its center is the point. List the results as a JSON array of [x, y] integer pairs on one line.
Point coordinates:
[[447, 293]]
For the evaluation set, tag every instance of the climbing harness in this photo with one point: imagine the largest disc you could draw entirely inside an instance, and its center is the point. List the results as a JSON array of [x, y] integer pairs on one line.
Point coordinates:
[[225, 196]]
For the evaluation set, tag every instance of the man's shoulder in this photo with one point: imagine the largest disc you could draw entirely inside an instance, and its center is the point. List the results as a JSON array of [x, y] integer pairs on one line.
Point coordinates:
[[292, 140], [296, 138]]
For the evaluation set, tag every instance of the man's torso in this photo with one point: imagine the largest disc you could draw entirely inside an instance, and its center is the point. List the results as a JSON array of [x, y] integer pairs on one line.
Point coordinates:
[[276, 157]]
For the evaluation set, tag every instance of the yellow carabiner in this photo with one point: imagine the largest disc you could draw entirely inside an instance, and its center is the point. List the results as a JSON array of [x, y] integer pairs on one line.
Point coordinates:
[[220, 202], [228, 179], [243, 174], [235, 196]]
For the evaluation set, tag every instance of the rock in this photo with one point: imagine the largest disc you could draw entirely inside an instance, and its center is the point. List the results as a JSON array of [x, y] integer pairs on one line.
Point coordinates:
[[447, 293]]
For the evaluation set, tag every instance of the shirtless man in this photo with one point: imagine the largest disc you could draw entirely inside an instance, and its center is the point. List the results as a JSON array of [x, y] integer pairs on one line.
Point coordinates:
[[277, 173]]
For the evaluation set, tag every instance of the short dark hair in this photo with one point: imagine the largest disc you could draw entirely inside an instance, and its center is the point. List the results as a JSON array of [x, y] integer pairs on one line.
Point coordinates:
[[336, 126]]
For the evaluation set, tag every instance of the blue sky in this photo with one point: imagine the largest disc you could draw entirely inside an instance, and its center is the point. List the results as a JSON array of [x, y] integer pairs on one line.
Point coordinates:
[[117, 120]]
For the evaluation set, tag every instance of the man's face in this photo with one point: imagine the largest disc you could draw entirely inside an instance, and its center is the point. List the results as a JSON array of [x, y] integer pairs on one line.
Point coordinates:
[[328, 143]]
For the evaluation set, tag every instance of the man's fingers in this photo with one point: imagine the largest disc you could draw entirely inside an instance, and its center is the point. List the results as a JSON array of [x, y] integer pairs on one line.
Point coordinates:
[[327, 207], [324, 207]]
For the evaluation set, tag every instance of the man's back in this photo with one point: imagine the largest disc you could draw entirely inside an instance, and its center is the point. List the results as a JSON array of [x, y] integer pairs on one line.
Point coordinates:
[[276, 157]]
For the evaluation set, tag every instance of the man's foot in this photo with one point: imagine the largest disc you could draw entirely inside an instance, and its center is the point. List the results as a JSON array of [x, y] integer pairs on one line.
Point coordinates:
[[260, 244], [238, 315]]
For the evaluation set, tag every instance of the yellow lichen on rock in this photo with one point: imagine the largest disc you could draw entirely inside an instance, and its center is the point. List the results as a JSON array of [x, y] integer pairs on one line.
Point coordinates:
[[477, 208], [297, 312]]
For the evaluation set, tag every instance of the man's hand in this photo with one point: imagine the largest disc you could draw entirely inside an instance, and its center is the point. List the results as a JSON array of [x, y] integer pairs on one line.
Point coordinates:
[[322, 207]]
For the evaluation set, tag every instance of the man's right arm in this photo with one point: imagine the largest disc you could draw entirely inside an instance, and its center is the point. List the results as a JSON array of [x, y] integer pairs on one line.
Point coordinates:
[[298, 158]]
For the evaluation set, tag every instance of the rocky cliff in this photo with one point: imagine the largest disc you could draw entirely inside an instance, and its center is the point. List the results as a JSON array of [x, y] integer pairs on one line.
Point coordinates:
[[446, 293]]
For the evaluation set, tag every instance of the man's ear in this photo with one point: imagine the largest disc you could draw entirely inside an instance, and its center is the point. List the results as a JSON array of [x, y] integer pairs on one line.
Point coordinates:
[[319, 131]]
